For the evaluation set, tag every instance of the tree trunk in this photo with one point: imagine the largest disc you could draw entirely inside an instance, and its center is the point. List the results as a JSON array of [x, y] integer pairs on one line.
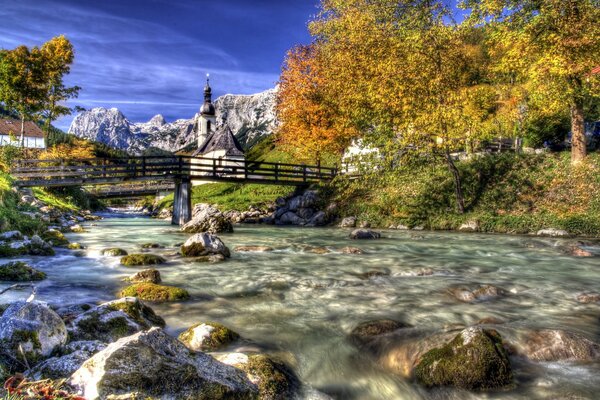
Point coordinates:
[[578, 142], [22, 130], [460, 201]]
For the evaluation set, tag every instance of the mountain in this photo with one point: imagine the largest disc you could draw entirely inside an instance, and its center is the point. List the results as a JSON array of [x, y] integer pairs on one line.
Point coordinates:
[[250, 117]]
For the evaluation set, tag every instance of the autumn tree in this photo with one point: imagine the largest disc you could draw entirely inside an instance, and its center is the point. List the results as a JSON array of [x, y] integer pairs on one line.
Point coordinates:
[[406, 76], [551, 45], [308, 121], [57, 57]]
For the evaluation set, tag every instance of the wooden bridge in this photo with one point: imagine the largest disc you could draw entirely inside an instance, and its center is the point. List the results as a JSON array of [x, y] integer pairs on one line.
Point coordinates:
[[182, 171]]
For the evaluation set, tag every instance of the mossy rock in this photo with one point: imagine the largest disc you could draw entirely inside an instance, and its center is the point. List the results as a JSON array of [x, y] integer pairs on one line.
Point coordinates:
[[77, 229], [475, 359], [275, 380], [146, 276], [20, 272], [133, 260], [208, 336], [152, 246], [153, 292], [55, 238], [75, 246], [8, 251], [114, 252]]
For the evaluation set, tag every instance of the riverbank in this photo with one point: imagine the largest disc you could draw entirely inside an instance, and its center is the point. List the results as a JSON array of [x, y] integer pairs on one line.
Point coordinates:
[[298, 296], [504, 193]]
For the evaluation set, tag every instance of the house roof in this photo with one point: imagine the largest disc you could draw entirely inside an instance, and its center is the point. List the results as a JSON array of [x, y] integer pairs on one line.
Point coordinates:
[[596, 70], [221, 139], [8, 125]]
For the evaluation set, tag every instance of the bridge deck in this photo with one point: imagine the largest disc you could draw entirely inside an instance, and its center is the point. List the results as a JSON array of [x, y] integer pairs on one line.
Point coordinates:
[[97, 171]]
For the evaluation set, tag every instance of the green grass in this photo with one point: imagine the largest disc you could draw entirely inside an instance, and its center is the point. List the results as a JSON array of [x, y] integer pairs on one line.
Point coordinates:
[[230, 196], [11, 217], [53, 200], [504, 193]]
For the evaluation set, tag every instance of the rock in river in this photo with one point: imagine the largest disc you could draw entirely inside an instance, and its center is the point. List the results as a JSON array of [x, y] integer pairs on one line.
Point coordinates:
[[474, 359], [114, 320], [208, 336], [152, 364], [18, 271], [153, 292], [134, 260], [146, 276], [366, 331], [32, 330], [202, 244], [364, 234], [207, 218], [557, 345]]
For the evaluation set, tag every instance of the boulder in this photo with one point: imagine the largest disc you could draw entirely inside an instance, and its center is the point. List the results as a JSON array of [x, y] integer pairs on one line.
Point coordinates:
[[77, 228], [318, 219], [152, 364], [55, 238], [18, 271], [364, 234], [113, 320], [290, 218], [31, 331], [207, 218], [135, 260], [257, 249], [557, 345], [146, 276], [275, 380], [202, 244], [475, 359], [470, 226], [364, 224], [348, 222], [62, 367], [39, 247], [75, 246], [208, 336], [114, 252], [553, 232], [153, 292]]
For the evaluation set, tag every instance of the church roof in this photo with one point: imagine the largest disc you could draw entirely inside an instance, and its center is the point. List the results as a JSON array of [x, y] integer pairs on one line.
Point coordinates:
[[221, 139]]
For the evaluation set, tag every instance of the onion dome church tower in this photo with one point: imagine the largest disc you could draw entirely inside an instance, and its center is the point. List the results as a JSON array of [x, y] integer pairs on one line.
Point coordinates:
[[207, 120]]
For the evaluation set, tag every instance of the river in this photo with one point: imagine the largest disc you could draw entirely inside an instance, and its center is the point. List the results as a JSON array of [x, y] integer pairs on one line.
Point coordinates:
[[302, 305]]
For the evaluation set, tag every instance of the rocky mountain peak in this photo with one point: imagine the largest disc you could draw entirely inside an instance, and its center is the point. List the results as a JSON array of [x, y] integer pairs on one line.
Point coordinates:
[[250, 117]]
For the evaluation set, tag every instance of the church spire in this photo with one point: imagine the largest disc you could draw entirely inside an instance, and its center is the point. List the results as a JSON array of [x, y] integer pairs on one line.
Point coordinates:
[[207, 108], [207, 90]]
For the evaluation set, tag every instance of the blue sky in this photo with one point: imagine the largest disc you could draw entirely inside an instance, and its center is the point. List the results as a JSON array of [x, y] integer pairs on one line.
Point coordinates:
[[149, 57]]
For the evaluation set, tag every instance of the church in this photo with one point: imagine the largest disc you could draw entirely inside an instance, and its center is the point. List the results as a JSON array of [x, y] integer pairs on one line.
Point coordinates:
[[214, 141]]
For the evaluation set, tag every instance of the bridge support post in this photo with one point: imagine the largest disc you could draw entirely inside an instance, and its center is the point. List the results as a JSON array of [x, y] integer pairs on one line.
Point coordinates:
[[182, 202]]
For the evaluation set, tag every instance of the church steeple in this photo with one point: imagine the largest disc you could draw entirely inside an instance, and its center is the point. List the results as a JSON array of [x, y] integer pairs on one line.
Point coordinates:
[[207, 120], [207, 108]]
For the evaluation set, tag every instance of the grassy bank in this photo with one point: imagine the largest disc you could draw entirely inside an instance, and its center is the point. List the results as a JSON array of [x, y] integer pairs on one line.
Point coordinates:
[[504, 193], [11, 217], [231, 196]]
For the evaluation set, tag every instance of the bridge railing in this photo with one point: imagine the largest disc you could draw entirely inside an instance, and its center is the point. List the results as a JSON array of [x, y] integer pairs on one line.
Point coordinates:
[[61, 172]]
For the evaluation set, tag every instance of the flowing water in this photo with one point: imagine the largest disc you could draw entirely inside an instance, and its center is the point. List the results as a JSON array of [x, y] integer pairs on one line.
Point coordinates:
[[301, 305]]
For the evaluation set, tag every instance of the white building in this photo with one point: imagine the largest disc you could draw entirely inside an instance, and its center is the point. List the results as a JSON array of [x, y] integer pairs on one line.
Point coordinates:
[[10, 133], [217, 145]]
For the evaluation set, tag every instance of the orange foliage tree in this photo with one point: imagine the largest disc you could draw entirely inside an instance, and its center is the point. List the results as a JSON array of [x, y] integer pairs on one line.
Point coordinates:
[[309, 124]]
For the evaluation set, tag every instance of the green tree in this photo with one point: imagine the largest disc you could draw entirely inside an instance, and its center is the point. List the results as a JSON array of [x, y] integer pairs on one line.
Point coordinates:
[[21, 83], [552, 47]]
